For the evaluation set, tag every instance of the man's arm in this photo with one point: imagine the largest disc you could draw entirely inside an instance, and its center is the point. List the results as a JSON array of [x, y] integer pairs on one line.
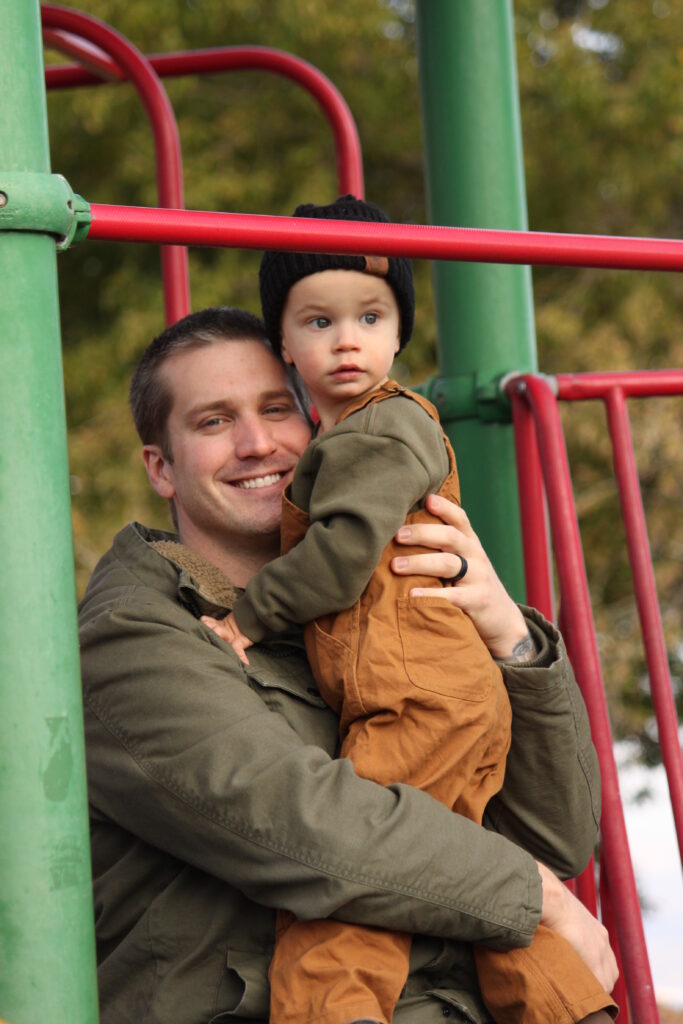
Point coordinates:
[[550, 801], [184, 753]]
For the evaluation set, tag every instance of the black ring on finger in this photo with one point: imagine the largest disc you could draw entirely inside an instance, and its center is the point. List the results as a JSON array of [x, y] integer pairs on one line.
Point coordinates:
[[458, 576]]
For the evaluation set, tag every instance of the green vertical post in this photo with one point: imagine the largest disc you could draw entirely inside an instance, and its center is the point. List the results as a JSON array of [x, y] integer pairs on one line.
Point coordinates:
[[47, 966], [475, 178]]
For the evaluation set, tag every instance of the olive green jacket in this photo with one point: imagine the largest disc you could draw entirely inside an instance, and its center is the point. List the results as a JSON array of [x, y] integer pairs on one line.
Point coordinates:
[[215, 798]]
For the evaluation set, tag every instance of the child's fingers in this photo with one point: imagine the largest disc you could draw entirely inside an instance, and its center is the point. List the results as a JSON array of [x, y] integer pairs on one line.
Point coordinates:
[[240, 652], [216, 625], [220, 627]]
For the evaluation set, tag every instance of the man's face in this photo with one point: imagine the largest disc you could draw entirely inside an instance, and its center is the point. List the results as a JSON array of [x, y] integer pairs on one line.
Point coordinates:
[[235, 435]]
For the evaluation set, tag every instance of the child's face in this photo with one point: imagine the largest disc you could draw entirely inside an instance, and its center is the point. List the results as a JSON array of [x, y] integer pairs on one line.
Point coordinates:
[[340, 328]]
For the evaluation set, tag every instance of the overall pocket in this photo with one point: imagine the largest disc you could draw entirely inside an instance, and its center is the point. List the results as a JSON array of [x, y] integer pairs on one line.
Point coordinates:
[[442, 651], [329, 659]]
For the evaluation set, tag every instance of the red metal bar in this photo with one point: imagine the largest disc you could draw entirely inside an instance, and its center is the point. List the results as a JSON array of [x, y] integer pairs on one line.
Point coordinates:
[[536, 548], [255, 231], [166, 140], [633, 514], [619, 993], [89, 56], [532, 506], [574, 387], [586, 889], [260, 58], [579, 633]]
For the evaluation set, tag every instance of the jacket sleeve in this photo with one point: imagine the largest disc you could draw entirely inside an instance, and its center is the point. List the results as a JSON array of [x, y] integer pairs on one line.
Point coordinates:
[[365, 482], [550, 801], [186, 755]]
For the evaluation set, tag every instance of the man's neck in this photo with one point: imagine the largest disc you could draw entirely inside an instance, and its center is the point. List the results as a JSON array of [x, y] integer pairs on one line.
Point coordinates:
[[238, 562]]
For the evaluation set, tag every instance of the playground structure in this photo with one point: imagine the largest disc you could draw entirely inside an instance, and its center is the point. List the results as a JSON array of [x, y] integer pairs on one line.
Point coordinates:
[[44, 866]]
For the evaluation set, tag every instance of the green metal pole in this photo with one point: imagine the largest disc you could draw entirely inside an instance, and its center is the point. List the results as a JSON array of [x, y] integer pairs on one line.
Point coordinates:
[[475, 178], [47, 966]]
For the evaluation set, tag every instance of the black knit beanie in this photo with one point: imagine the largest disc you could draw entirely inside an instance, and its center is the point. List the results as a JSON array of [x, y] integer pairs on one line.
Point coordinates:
[[280, 270]]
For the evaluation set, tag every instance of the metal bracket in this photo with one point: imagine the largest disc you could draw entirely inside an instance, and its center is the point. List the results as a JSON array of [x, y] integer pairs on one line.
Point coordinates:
[[467, 396], [515, 377], [45, 204]]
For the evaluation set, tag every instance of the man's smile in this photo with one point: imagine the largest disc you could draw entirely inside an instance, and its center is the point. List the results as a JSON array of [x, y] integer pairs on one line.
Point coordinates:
[[257, 482]]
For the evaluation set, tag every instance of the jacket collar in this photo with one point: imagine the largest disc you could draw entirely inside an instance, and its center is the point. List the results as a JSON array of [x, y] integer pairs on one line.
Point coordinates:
[[201, 586]]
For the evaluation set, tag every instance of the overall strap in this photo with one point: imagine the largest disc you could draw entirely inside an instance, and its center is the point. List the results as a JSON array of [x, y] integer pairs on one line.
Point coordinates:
[[390, 389]]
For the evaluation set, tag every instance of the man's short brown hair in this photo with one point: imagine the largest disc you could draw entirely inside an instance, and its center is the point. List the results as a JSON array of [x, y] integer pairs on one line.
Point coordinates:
[[150, 398]]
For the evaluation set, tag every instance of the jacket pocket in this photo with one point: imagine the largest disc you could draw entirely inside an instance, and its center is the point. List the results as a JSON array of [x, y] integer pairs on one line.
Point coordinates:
[[442, 651], [296, 684], [246, 991]]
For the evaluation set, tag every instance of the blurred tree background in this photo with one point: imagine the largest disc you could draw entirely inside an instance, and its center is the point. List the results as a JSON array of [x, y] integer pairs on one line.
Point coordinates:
[[603, 130]]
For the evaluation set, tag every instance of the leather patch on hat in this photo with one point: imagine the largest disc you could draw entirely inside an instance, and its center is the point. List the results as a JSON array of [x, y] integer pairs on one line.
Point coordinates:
[[377, 265]]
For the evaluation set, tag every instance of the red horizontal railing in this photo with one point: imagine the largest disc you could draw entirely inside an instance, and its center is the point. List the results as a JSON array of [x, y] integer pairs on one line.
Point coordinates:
[[255, 231], [544, 471]]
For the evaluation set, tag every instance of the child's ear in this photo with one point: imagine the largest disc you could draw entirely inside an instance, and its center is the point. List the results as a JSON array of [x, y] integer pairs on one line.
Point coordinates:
[[286, 358]]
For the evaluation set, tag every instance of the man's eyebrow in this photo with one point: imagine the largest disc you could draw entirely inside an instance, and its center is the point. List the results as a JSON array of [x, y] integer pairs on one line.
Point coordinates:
[[211, 406], [277, 394]]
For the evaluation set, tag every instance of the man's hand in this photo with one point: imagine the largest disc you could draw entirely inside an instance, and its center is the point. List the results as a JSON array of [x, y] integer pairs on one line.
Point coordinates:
[[479, 593], [227, 630], [567, 916]]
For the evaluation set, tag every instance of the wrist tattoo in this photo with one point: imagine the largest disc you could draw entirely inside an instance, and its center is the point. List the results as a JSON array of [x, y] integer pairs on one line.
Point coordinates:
[[523, 651]]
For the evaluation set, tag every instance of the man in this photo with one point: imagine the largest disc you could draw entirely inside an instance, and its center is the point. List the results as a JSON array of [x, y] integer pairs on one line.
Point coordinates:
[[215, 794]]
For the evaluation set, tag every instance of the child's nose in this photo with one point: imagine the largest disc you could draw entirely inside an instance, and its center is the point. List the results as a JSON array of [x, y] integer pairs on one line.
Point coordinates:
[[346, 336]]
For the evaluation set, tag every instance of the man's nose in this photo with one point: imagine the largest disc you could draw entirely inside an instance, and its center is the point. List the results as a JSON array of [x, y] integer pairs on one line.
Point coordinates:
[[252, 438]]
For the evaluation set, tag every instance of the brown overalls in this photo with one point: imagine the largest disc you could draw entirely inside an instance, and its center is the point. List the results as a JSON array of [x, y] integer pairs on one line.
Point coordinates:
[[422, 702]]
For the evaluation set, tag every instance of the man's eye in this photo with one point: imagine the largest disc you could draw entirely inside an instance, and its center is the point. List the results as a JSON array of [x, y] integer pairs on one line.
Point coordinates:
[[320, 323], [214, 421], [278, 410], [369, 318]]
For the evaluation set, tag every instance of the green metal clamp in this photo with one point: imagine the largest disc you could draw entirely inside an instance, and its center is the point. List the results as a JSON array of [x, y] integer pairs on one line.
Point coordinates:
[[45, 204], [468, 396]]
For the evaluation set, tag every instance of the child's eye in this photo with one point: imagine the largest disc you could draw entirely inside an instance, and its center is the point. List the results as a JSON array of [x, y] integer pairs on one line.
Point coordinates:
[[369, 318], [320, 323]]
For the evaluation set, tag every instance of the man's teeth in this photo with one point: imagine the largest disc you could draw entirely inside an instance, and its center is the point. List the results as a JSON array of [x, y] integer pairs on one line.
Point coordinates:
[[260, 481]]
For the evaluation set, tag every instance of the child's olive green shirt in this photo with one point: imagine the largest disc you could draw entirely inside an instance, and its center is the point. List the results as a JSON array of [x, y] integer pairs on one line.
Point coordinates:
[[357, 482]]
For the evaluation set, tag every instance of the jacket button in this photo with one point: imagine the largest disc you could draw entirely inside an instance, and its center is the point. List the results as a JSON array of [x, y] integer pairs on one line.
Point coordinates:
[[446, 1011]]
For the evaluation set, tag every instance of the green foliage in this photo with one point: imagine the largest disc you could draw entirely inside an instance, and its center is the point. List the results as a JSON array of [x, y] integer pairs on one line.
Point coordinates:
[[600, 98]]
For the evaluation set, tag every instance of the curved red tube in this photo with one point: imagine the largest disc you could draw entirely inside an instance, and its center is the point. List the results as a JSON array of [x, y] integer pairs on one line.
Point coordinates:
[[242, 58], [166, 140]]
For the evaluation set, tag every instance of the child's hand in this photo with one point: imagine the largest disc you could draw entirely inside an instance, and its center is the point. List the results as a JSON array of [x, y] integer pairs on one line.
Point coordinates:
[[227, 630]]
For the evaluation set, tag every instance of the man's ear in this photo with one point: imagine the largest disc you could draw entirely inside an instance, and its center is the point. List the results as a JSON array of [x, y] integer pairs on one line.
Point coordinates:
[[159, 470], [284, 351]]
